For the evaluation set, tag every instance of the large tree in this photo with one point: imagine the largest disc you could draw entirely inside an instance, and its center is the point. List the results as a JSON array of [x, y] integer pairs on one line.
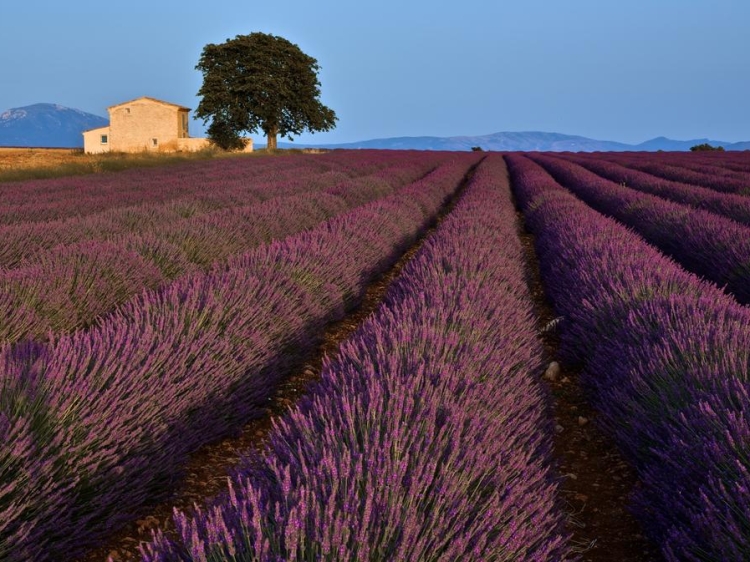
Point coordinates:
[[260, 82]]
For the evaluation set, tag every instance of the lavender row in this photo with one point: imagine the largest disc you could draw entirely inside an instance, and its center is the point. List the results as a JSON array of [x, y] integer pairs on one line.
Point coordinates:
[[67, 197], [71, 287], [428, 437], [25, 241], [730, 205], [98, 423], [710, 245], [68, 287], [734, 166], [666, 360], [681, 169], [207, 182]]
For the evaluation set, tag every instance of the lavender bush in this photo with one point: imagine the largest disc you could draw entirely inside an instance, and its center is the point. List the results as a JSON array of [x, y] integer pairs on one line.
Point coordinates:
[[361, 176], [206, 183], [157, 244], [712, 246], [428, 437], [97, 423], [730, 205], [666, 359], [726, 173]]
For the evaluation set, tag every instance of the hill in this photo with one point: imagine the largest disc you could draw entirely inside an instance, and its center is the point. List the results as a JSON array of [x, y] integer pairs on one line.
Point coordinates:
[[46, 125], [52, 125], [524, 141]]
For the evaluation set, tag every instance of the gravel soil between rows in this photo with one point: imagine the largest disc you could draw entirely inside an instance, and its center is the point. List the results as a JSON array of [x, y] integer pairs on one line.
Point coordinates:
[[596, 481]]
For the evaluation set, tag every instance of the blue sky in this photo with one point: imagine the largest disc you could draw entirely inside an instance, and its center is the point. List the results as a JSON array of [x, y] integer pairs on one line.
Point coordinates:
[[625, 71]]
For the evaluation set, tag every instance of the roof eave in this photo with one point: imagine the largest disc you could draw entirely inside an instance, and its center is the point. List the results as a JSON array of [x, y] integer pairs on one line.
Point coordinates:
[[180, 107]]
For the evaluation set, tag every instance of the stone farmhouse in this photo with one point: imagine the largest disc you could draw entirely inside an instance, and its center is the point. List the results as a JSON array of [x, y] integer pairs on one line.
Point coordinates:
[[145, 124]]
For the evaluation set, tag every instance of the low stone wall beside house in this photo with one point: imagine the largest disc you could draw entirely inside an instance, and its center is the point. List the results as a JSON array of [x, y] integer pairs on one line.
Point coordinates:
[[191, 144]]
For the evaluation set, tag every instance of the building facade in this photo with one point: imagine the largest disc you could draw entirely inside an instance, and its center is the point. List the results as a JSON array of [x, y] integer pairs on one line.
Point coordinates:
[[145, 124]]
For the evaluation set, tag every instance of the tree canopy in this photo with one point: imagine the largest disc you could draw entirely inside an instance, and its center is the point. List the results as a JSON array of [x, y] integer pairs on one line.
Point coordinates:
[[706, 147], [260, 82]]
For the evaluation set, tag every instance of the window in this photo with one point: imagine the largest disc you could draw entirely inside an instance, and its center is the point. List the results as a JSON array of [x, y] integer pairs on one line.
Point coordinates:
[[154, 142], [127, 110], [105, 139]]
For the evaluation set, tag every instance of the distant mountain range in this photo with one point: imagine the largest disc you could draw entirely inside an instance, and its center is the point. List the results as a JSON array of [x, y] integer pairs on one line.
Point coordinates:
[[46, 125], [52, 125], [525, 141]]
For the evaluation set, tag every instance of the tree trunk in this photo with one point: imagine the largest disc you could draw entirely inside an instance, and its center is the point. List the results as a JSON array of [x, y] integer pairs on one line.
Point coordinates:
[[271, 135]]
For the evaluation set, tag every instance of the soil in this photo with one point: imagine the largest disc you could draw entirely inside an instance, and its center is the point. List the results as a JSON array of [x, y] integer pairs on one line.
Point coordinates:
[[207, 470], [596, 480]]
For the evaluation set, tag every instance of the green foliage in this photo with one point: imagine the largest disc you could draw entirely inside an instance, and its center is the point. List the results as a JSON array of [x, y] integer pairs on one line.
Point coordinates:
[[223, 135], [260, 82], [706, 147], [477, 149]]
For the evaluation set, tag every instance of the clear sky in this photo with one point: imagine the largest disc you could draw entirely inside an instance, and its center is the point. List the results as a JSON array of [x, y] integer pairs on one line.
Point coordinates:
[[624, 71]]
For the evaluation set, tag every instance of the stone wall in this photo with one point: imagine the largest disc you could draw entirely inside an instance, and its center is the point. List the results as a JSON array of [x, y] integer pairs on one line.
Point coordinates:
[[145, 125], [92, 140]]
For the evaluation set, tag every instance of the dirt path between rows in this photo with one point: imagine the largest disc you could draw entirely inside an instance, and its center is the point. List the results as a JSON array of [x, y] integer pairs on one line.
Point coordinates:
[[208, 468], [596, 481]]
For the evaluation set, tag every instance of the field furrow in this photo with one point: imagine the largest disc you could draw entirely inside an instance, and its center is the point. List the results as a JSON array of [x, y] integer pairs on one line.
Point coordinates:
[[359, 343], [729, 205], [427, 438], [665, 356], [97, 423], [707, 244], [207, 184], [724, 173], [69, 285], [202, 201]]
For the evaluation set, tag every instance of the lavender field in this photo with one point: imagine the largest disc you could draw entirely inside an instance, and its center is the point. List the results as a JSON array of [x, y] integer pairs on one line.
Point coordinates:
[[147, 314]]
